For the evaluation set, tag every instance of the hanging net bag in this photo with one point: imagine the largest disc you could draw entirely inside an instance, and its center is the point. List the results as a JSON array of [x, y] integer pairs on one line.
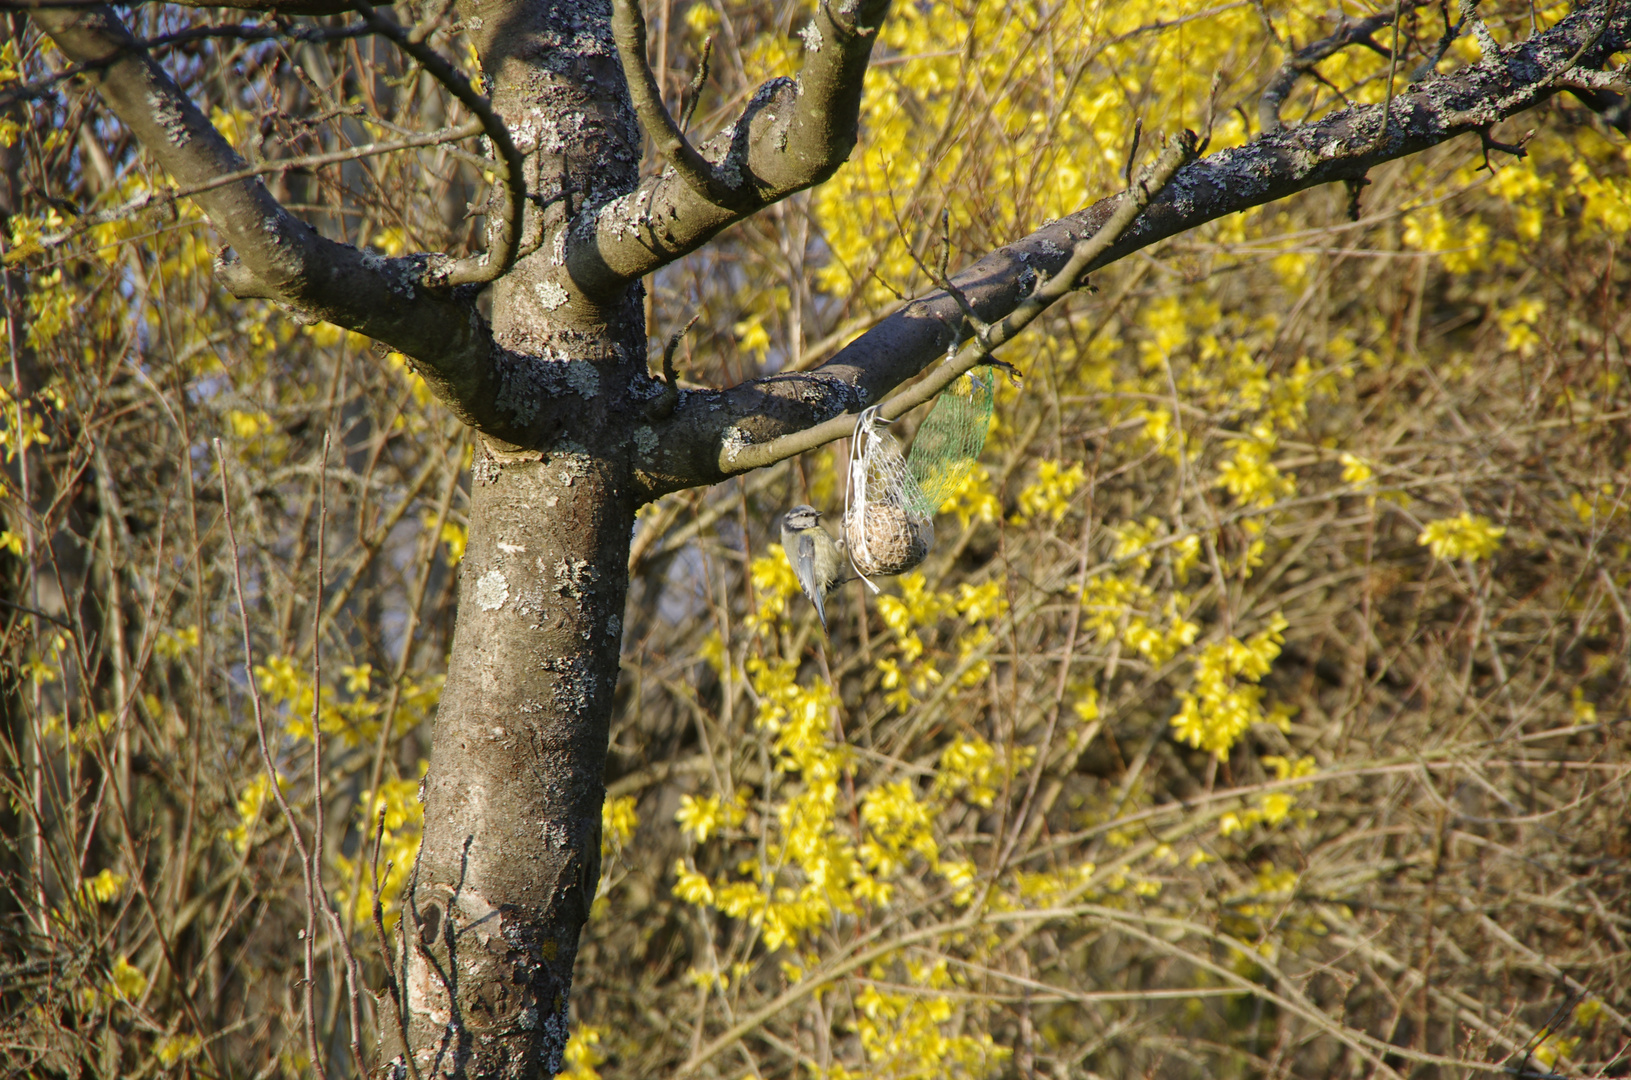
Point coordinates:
[[890, 500]]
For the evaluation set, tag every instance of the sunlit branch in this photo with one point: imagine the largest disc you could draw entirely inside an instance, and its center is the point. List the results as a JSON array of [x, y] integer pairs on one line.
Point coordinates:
[[1065, 280], [792, 135], [629, 29]]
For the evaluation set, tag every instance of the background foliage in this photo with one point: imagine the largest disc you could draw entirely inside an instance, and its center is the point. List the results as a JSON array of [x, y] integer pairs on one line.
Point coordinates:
[[1260, 712]]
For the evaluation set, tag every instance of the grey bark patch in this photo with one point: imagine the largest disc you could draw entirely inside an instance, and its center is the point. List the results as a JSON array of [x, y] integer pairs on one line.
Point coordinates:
[[492, 590], [733, 442], [170, 118]]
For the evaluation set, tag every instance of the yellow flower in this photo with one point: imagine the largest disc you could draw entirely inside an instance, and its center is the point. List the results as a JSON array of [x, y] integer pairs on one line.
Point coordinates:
[[1050, 495], [618, 820], [174, 1048], [1355, 471], [1466, 536], [103, 887], [691, 886], [582, 1054], [1225, 702], [701, 817]]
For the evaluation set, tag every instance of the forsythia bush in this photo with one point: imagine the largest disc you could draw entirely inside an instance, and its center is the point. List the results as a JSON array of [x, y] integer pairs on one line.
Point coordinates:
[[1260, 711]]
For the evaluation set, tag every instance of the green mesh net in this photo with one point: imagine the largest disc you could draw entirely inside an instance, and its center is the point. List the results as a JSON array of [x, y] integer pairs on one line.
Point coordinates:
[[950, 440]]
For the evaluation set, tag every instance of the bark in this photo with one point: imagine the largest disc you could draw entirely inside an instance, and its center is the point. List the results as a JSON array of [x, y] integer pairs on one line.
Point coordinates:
[[577, 434], [511, 852]]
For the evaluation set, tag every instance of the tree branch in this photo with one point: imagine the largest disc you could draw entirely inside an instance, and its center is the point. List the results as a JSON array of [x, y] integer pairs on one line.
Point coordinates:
[[147, 200], [505, 239], [1129, 204], [279, 7], [629, 30], [276, 256], [793, 134], [712, 436]]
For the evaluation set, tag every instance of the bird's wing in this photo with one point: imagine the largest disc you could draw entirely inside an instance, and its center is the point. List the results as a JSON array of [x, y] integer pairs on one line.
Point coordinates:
[[803, 554], [805, 569]]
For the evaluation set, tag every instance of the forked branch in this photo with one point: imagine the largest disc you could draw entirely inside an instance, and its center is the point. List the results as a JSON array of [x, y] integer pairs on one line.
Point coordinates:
[[271, 254], [793, 134], [511, 168]]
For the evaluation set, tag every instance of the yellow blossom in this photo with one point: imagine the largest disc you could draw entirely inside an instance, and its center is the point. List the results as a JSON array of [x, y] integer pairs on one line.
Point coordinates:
[[1466, 536], [1049, 496]]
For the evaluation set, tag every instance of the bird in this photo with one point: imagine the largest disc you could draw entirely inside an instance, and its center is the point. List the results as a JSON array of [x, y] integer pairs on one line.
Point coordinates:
[[817, 560]]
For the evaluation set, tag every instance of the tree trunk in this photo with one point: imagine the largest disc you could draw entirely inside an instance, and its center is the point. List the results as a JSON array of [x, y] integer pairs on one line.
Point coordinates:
[[511, 852]]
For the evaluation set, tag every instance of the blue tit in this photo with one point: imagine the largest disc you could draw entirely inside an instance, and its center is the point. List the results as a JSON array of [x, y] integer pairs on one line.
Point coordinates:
[[816, 559]]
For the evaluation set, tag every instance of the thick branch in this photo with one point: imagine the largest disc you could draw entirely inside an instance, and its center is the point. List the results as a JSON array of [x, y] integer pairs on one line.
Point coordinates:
[[1613, 109], [710, 434], [1130, 204], [792, 135], [281, 7], [1348, 32]]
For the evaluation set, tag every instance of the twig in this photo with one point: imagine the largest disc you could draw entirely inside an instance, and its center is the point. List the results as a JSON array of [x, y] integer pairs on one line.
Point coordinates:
[[1354, 187], [1211, 112], [43, 87], [308, 935], [1132, 153], [508, 163], [1451, 32], [1348, 32], [1392, 77], [150, 199], [693, 91], [379, 916], [1486, 144], [385, 949], [938, 275], [352, 976], [629, 30], [1488, 48], [64, 623], [1608, 14], [663, 406]]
